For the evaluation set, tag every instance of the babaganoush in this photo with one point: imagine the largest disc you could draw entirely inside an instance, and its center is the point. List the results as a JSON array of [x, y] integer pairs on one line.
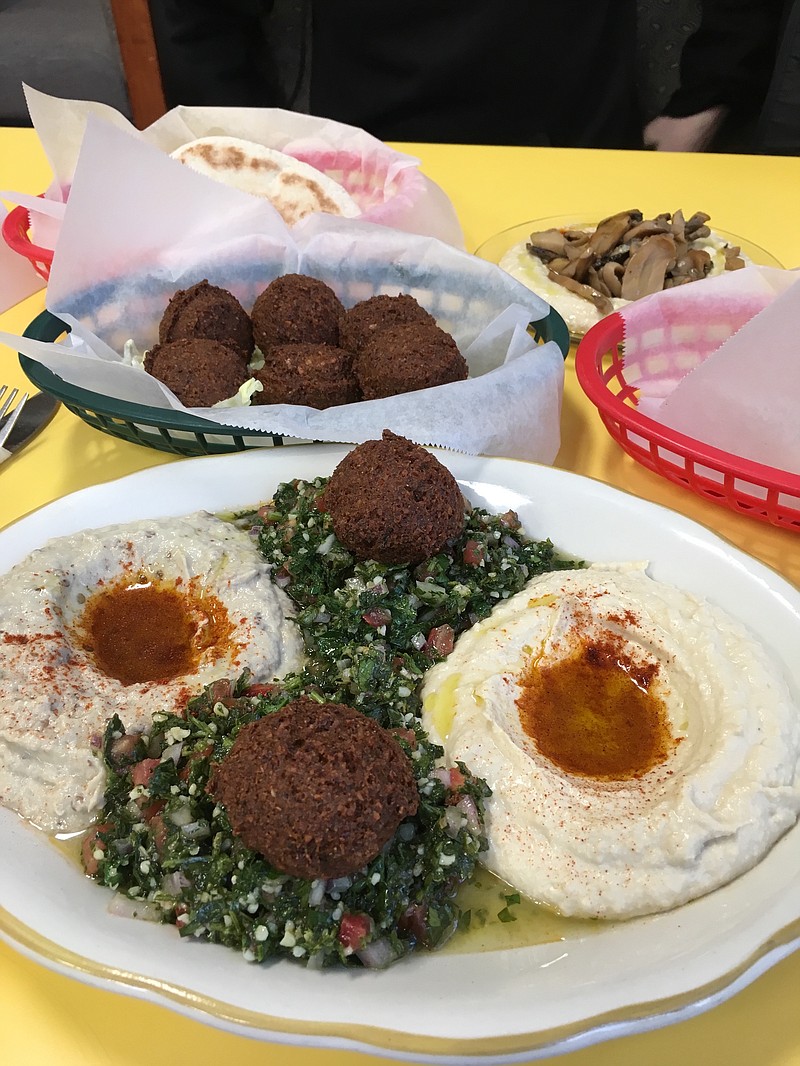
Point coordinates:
[[129, 619], [641, 746]]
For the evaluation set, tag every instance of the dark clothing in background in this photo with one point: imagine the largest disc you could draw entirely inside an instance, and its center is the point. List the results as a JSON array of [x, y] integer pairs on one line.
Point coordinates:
[[778, 128], [213, 53], [729, 61], [663, 27], [480, 71], [555, 72]]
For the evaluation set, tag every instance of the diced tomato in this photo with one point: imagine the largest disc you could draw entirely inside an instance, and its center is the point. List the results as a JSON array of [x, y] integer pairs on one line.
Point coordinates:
[[454, 781], [354, 930], [457, 779], [473, 553], [510, 520], [267, 513], [319, 502], [92, 843], [143, 771], [408, 735], [441, 640], [158, 828], [150, 810], [377, 616], [220, 690], [261, 690]]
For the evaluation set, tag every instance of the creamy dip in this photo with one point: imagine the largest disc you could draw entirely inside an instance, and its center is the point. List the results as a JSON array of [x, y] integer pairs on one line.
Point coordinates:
[[580, 314], [128, 620], [642, 748]]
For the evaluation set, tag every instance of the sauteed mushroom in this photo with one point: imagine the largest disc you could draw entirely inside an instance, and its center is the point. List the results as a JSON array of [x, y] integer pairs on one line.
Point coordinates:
[[628, 256], [647, 267], [601, 301], [611, 275]]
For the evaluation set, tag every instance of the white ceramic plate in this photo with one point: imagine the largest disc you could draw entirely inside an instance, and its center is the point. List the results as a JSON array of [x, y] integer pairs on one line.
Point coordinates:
[[500, 1006]]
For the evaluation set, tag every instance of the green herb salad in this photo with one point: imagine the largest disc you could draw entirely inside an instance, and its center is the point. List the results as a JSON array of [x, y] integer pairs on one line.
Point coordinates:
[[371, 630]]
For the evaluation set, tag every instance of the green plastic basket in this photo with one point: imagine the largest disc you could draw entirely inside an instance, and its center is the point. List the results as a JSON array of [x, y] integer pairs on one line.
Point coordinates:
[[173, 431]]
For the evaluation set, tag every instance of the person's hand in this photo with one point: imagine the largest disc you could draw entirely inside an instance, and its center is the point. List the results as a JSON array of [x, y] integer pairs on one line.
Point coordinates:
[[693, 133]]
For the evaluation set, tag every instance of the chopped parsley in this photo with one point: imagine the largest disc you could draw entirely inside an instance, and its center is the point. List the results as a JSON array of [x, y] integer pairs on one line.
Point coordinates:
[[164, 842], [371, 631]]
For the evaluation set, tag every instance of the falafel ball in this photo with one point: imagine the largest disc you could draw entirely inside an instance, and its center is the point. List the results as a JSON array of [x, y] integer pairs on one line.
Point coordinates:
[[316, 788], [200, 372], [393, 501], [367, 318], [406, 358], [209, 312], [316, 375], [296, 309]]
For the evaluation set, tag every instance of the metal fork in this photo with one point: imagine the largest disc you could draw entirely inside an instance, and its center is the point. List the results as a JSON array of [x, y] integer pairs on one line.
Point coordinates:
[[8, 412]]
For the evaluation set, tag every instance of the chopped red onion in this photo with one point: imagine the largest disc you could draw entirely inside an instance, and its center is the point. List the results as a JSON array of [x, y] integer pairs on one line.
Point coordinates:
[[125, 907], [377, 954]]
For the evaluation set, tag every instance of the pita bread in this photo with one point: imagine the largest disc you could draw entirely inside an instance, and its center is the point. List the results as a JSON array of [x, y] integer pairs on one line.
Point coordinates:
[[294, 188]]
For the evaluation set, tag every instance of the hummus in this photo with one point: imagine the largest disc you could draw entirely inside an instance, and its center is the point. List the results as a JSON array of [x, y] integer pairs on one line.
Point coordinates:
[[578, 313], [642, 748], [128, 620]]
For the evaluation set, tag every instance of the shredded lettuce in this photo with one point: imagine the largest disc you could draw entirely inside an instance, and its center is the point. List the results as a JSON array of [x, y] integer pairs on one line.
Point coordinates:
[[243, 396], [131, 356]]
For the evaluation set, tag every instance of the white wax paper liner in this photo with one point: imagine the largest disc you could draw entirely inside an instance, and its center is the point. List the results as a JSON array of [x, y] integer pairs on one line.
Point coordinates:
[[137, 228], [388, 185]]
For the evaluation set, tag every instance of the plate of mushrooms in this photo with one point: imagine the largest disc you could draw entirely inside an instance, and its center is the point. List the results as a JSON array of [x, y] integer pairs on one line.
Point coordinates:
[[586, 270]]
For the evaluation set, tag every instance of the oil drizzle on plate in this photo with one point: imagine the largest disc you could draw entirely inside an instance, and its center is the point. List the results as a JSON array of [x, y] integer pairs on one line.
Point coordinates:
[[487, 896], [69, 844]]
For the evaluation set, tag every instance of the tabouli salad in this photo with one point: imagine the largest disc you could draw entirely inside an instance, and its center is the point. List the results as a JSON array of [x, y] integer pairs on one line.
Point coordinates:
[[371, 630]]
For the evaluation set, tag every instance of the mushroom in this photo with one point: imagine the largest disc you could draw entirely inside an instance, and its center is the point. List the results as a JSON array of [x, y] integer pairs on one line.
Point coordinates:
[[690, 265], [607, 235], [648, 266], [576, 259], [733, 257], [628, 256], [545, 254], [648, 227], [547, 240], [618, 254], [678, 226], [697, 223], [612, 273], [595, 281], [611, 230], [601, 302]]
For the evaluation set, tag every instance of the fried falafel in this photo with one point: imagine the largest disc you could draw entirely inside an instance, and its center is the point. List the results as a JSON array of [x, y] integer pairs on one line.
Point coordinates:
[[316, 788], [392, 501], [296, 309], [208, 312], [367, 318], [404, 358], [315, 375], [200, 372]]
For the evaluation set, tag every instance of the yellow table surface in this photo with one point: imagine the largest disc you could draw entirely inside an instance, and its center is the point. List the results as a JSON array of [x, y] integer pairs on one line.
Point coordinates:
[[45, 1017]]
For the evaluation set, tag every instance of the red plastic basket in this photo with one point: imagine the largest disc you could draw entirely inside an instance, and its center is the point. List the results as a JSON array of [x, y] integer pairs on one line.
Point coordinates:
[[16, 227], [749, 488]]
